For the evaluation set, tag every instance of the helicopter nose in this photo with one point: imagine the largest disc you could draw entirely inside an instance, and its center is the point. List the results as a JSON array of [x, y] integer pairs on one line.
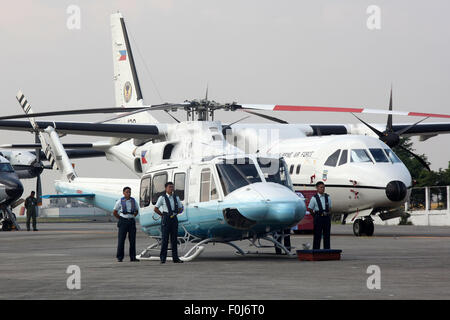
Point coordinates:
[[286, 212], [396, 191], [271, 203]]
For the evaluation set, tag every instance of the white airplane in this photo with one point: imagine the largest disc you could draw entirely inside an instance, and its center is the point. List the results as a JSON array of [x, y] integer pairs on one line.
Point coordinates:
[[306, 148]]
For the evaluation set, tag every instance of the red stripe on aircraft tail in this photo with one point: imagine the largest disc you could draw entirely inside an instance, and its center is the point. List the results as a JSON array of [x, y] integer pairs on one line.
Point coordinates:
[[307, 108]]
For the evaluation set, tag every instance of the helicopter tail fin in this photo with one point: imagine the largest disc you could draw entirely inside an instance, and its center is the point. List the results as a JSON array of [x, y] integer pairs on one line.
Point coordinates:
[[57, 155]]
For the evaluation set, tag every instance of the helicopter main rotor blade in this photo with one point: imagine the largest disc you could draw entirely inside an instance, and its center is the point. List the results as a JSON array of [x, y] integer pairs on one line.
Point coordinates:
[[273, 107], [75, 112]]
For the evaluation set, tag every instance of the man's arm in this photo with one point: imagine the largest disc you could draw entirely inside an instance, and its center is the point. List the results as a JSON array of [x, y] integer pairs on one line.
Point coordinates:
[[180, 205], [158, 204], [116, 209], [137, 208], [311, 205], [116, 214]]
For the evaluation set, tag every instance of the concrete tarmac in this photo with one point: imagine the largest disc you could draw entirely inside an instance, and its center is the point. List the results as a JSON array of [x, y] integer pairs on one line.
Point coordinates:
[[414, 263]]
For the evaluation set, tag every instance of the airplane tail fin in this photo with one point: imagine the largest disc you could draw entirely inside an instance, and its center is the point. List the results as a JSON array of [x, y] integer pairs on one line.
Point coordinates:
[[127, 88], [53, 149], [126, 83]]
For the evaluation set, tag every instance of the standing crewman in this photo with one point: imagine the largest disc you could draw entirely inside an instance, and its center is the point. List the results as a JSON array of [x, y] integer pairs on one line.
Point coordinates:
[[30, 206], [168, 207], [126, 209], [320, 208]]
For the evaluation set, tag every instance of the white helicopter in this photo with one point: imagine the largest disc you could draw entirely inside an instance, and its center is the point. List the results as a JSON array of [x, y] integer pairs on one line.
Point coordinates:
[[351, 185], [228, 195]]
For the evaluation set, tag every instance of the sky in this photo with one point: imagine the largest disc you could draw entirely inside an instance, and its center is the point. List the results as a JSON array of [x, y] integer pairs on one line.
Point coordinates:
[[250, 51]]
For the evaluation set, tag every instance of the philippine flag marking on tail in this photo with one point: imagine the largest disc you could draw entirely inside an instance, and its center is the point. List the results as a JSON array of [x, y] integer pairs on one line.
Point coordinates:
[[143, 159], [123, 55]]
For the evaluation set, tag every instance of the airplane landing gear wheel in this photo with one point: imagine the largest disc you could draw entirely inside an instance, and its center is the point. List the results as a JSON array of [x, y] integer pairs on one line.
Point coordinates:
[[368, 227], [358, 227]]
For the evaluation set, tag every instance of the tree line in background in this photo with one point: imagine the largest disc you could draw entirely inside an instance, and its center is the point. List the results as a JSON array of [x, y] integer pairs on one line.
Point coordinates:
[[420, 175]]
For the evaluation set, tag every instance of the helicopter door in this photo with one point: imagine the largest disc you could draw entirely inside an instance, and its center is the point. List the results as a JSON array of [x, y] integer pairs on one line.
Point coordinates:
[[207, 205], [179, 181]]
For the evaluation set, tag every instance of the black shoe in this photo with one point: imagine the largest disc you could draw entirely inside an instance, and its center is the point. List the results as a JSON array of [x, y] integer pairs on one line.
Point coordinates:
[[178, 261], [28, 230], [35, 230], [134, 260], [162, 262], [119, 260]]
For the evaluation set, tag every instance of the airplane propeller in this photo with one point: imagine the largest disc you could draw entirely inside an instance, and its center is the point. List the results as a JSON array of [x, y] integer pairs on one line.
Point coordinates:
[[39, 166], [391, 137]]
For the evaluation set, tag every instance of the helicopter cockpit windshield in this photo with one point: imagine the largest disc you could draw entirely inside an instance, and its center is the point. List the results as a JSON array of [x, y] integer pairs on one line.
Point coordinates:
[[237, 173], [275, 170]]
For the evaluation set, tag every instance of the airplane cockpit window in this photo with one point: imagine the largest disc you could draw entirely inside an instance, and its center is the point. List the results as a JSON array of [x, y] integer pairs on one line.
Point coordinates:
[[144, 199], [179, 182], [333, 159], [379, 155], [158, 189], [359, 155], [6, 167], [237, 173], [391, 154], [291, 169], [297, 171], [275, 170], [344, 156]]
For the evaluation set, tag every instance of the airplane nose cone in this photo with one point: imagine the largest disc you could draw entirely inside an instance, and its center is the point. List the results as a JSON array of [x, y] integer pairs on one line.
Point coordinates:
[[396, 191], [14, 192], [13, 187]]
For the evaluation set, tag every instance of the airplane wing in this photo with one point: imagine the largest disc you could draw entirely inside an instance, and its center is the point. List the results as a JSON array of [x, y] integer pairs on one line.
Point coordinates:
[[69, 195], [137, 131], [423, 130]]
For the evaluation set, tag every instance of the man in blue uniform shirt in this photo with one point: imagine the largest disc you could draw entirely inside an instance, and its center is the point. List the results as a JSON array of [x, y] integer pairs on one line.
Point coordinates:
[[320, 208], [126, 209], [168, 207]]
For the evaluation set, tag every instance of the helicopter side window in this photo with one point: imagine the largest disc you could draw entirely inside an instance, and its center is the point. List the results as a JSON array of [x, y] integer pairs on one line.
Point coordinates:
[[144, 199], [359, 155], [179, 185], [344, 157], [237, 173], [378, 155], [159, 180], [333, 159], [6, 167], [208, 190], [392, 156]]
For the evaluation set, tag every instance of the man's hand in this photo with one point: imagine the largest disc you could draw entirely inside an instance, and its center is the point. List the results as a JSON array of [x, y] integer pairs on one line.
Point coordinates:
[[116, 214], [157, 211]]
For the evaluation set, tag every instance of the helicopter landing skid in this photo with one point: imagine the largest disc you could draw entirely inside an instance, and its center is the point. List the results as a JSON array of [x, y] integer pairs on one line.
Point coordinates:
[[151, 253], [257, 244]]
